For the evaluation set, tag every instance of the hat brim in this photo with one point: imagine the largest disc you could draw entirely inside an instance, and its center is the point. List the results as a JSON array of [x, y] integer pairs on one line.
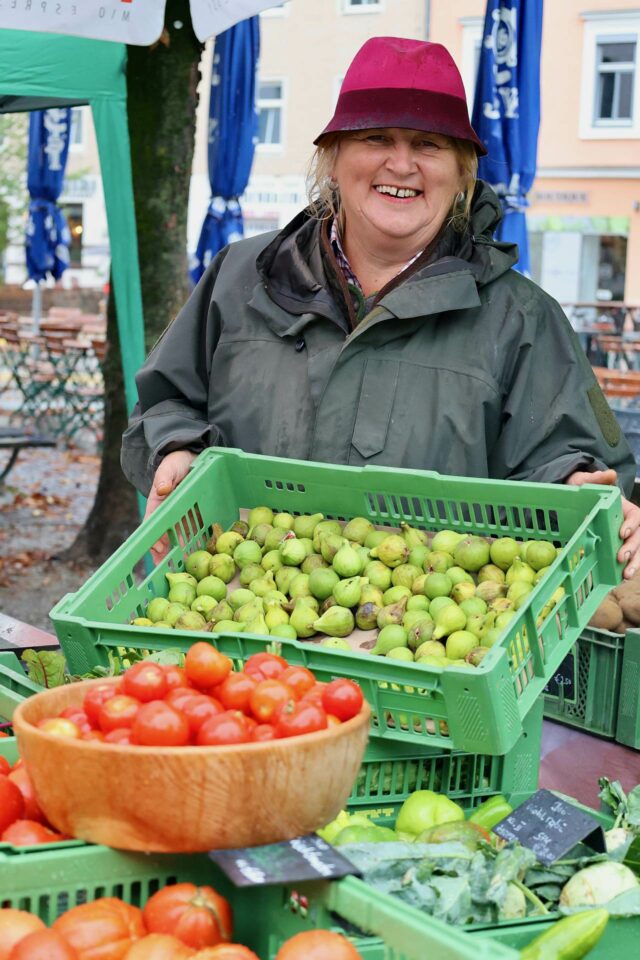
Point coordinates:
[[409, 109]]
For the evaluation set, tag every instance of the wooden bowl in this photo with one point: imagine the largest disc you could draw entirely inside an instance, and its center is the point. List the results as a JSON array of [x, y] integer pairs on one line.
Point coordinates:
[[186, 799]]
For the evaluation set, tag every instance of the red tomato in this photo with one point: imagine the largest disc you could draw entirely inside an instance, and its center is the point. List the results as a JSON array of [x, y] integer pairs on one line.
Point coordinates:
[[22, 780], [299, 679], [159, 725], [198, 916], [118, 711], [197, 709], [93, 735], [342, 698], [263, 732], [226, 951], [224, 729], [175, 677], [28, 833], [299, 718], [315, 692], [145, 681], [234, 692], [5, 766], [77, 716], [94, 699], [179, 695], [121, 735], [59, 727], [3, 733], [205, 666], [159, 946], [15, 925], [318, 945], [43, 945], [11, 803], [268, 698], [102, 930], [268, 665]]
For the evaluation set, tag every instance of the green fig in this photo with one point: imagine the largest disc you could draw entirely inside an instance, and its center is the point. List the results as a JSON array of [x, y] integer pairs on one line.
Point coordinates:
[[190, 621], [404, 575], [182, 577], [375, 538], [418, 556], [326, 604], [474, 605], [449, 620], [429, 660], [305, 526], [392, 552], [307, 600], [504, 551], [412, 617], [251, 572], [446, 540], [420, 632], [263, 585], [285, 577], [302, 620], [157, 609], [227, 626], [371, 594], [299, 586], [437, 585], [247, 552], [212, 587], [330, 544], [358, 529], [418, 602], [458, 575], [459, 644], [400, 653], [462, 591], [283, 630], [163, 624], [539, 554], [241, 527], [518, 592], [271, 560], [314, 561], [438, 562], [365, 556], [322, 580], [284, 521], [501, 604], [347, 592], [413, 537], [274, 538], [417, 587], [216, 532], [173, 611], [292, 552], [346, 562], [324, 528], [336, 622], [204, 605], [142, 622], [259, 533], [377, 574], [390, 636], [227, 542], [197, 564], [471, 553], [182, 592], [259, 515], [221, 611], [335, 643], [221, 565], [392, 614], [238, 598], [430, 648], [367, 615], [257, 625], [438, 603], [393, 594], [274, 616], [476, 624], [249, 611], [274, 598], [476, 656], [519, 570], [489, 591], [490, 572]]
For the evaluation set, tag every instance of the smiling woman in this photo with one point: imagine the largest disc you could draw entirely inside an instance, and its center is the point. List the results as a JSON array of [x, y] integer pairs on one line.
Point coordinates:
[[384, 324]]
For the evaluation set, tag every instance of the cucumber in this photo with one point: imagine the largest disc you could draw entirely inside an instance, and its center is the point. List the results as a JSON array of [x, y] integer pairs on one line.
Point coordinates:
[[570, 938]]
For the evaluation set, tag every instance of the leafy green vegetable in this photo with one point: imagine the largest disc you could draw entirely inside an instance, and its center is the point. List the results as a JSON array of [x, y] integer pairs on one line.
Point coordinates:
[[45, 667]]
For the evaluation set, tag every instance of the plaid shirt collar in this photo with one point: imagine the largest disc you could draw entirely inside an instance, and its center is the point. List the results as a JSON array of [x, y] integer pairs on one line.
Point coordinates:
[[344, 264]]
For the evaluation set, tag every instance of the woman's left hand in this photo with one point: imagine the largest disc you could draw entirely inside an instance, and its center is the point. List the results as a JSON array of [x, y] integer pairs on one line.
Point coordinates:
[[629, 553]]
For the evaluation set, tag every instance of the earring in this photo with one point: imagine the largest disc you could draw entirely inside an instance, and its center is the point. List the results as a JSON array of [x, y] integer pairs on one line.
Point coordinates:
[[460, 198], [333, 183]]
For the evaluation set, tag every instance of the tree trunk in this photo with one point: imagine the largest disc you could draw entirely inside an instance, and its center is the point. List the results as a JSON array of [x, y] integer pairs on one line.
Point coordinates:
[[162, 100]]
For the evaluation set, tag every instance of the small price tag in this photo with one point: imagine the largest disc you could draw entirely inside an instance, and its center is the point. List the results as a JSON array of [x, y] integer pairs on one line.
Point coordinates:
[[550, 827], [305, 858], [563, 682]]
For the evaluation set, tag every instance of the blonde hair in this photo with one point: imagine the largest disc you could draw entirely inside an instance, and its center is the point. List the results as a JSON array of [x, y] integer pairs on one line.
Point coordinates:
[[324, 196]]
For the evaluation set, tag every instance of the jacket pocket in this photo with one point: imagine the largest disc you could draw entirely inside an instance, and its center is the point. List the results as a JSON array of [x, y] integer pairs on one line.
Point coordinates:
[[377, 396]]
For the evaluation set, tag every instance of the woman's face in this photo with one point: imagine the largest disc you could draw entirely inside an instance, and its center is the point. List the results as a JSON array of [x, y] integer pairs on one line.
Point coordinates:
[[396, 186]]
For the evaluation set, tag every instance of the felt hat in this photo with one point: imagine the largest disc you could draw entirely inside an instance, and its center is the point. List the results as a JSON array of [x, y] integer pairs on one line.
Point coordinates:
[[413, 84]]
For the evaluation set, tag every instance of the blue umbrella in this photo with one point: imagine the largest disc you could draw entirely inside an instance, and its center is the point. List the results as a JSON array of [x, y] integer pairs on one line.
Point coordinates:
[[233, 127], [47, 235], [506, 110]]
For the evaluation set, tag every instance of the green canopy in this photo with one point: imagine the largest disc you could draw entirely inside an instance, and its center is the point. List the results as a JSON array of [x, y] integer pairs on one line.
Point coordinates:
[[42, 70]]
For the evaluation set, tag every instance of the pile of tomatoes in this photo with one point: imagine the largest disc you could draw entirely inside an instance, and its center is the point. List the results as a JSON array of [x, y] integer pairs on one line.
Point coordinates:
[[22, 822], [207, 703], [178, 922]]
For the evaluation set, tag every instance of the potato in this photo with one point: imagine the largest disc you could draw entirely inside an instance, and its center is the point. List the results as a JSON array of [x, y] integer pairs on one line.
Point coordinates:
[[608, 616], [630, 606]]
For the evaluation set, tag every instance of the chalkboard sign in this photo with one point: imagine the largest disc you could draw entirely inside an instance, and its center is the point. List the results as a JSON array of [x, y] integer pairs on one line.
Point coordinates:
[[550, 827], [564, 679], [305, 858]]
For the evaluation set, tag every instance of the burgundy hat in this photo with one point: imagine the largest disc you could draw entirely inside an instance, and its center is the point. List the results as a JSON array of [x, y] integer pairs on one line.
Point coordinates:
[[393, 82]]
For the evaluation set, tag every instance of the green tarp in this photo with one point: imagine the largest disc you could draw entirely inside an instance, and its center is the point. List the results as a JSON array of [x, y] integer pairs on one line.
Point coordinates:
[[40, 70]]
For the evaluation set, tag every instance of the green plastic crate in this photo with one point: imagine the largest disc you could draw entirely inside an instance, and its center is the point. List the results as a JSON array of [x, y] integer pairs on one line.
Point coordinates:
[[391, 771], [48, 882], [597, 687], [585, 692], [478, 711], [15, 686]]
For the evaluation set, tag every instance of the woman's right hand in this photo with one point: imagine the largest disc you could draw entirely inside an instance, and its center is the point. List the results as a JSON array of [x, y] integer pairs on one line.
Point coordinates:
[[172, 470]]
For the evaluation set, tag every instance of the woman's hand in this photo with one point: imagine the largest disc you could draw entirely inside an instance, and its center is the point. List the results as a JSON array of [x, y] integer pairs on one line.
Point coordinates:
[[630, 531], [172, 470]]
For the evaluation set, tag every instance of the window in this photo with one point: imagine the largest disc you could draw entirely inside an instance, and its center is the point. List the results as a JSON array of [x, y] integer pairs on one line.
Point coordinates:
[[614, 86], [610, 100], [270, 102], [361, 6], [73, 213]]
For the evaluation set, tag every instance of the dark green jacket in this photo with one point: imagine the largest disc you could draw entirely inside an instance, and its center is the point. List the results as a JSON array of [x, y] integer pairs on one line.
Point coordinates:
[[462, 366]]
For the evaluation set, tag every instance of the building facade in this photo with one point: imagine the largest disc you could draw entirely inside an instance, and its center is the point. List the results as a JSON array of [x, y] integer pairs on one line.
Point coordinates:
[[584, 215]]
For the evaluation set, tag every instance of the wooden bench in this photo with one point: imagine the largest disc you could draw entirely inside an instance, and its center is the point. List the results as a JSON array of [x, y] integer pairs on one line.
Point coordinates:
[[15, 440]]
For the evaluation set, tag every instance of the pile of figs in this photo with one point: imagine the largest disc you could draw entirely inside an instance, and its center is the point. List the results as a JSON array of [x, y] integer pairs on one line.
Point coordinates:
[[439, 599]]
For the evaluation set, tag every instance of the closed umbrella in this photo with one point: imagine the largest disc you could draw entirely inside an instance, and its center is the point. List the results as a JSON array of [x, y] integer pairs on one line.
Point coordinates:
[[506, 110], [47, 235], [233, 126]]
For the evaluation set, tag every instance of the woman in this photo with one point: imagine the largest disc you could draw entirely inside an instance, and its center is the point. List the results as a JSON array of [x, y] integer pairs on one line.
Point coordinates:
[[383, 324]]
